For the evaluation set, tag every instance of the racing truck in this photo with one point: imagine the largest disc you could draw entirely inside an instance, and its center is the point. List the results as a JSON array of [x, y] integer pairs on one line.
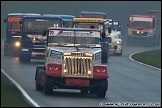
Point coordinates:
[[32, 41], [114, 39], [71, 62], [12, 39], [67, 19], [95, 23], [142, 28]]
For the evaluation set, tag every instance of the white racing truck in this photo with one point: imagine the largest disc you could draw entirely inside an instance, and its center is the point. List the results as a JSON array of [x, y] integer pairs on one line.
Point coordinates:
[[114, 39], [73, 61]]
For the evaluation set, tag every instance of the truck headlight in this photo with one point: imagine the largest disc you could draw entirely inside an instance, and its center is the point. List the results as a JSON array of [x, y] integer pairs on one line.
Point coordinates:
[[118, 42], [34, 39], [17, 44], [138, 32], [89, 72]]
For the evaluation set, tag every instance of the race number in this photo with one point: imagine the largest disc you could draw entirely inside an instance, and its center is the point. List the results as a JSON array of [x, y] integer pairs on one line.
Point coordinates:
[[55, 25], [51, 32]]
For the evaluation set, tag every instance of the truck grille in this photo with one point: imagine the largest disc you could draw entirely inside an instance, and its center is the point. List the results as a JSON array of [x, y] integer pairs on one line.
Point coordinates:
[[139, 34], [38, 49], [77, 66]]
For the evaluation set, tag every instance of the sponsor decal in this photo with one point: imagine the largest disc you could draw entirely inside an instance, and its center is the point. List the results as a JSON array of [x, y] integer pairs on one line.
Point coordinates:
[[76, 34], [76, 82], [55, 54]]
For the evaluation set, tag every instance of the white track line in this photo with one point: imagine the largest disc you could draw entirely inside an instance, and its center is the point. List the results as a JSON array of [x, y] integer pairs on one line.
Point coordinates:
[[21, 89], [130, 57]]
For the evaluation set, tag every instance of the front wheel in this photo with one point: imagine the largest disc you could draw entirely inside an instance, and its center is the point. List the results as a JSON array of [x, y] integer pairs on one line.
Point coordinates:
[[23, 60], [101, 90], [5, 50], [5, 53], [156, 41], [38, 87], [48, 85], [38, 77], [104, 57]]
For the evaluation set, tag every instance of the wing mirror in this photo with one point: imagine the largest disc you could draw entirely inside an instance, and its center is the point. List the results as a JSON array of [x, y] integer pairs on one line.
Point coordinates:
[[44, 33], [20, 22], [4, 20], [109, 30], [103, 34]]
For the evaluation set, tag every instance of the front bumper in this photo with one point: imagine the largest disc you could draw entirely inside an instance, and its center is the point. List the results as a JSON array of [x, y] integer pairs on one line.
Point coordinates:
[[76, 83], [115, 49], [147, 39]]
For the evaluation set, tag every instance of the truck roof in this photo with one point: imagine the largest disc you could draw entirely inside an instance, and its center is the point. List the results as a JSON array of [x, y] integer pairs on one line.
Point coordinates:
[[75, 29], [23, 14], [88, 20], [41, 17], [91, 12], [154, 11], [62, 16], [144, 16]]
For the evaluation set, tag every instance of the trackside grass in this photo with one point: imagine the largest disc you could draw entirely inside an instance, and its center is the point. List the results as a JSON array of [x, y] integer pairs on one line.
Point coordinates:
[[10, 95], [152, 58]]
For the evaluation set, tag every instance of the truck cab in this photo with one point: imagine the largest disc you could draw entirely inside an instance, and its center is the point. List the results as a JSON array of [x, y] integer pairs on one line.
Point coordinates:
[[32, 41], [95, 23], [67, 19], [114, 39], [73, 62], [13, 30], [142, 29]]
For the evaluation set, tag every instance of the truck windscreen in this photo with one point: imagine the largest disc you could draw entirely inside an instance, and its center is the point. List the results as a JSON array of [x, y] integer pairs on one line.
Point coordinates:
[[13, 26], [32, 27], [88, 25], [141, 23], [70, 40]]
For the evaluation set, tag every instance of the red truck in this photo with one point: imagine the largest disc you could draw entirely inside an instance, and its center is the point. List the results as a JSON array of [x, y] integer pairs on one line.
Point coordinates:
[[143, 28]]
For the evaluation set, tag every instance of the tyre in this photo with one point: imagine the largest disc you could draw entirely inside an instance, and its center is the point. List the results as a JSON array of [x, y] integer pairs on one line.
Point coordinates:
[[5, 53], [101, 91], [48, 85], [23, 60], [158, 41], [38, 87], [155, 41], [104, 57]]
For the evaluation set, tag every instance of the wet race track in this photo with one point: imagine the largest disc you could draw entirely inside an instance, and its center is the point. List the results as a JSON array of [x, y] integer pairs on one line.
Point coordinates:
[[128, 81]]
